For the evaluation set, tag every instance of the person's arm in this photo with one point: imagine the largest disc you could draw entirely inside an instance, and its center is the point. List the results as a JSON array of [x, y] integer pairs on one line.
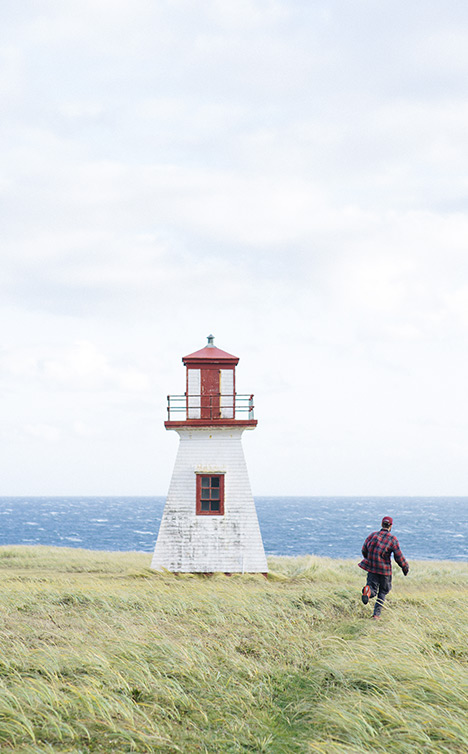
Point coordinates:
[[365, 551], [399, 557]]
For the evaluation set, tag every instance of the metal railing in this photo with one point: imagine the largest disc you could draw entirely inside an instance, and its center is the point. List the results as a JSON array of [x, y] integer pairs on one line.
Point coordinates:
[[214, 407]]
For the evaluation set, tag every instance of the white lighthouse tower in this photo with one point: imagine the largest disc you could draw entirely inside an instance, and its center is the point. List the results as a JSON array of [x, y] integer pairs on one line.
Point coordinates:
[[209, 522]]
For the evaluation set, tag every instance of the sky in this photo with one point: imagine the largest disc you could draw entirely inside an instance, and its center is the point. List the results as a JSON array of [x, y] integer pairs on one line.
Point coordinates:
[[290, 176]]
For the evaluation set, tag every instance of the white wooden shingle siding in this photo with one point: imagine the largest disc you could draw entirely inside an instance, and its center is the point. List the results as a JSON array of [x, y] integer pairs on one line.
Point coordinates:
[[229, 543]]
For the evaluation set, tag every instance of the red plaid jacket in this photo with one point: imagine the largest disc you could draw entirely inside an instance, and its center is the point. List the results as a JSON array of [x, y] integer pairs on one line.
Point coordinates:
[[377, 551]]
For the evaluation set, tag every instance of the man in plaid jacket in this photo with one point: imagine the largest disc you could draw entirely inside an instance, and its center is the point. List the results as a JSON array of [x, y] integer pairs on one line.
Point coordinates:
[[377, 551]]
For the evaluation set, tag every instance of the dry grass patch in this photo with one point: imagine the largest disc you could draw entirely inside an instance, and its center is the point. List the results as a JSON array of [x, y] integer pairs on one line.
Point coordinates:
[[99, 654]]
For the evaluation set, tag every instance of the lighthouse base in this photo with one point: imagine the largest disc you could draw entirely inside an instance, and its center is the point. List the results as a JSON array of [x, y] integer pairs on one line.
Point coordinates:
[[228, 543]]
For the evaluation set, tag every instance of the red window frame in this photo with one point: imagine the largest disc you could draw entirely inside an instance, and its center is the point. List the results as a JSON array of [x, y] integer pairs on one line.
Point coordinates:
[[206, 495]]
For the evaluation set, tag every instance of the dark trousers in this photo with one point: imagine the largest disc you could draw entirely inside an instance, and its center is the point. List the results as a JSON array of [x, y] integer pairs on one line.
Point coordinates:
[[380, 585]]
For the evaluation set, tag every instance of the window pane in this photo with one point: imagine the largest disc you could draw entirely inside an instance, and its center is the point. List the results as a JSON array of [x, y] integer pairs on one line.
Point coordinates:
[[205, 495], [215, 505], [215, 494], [205, 481], [205, 505], [215, 481]]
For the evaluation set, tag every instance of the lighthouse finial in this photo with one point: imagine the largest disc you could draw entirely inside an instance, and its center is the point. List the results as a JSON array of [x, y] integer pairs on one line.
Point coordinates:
[[210, 341]]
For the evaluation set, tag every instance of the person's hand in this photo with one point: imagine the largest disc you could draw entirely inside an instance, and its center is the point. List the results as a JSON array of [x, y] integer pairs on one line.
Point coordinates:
[[405, 570]]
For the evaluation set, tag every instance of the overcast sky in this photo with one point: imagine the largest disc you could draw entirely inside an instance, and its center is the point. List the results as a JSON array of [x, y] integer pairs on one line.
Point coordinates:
[[288, 175]]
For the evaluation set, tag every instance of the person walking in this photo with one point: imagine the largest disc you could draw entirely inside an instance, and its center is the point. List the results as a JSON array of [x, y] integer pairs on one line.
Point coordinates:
[[377, 551]]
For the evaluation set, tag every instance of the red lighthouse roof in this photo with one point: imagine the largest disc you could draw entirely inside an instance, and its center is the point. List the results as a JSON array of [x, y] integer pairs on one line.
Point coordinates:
[[211, 353]]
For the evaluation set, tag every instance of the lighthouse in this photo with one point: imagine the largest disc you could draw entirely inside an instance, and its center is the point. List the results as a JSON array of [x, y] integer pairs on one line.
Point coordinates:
[[209, 523]]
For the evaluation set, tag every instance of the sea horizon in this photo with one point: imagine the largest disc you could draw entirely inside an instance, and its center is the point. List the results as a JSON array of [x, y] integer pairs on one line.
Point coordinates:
[[428, 528]]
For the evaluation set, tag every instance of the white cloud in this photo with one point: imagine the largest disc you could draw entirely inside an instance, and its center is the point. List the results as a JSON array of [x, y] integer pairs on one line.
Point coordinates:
[[80, 366], [82, 429], [457, 304], [11, 72], [246, 14], [81, 109], [46, 432]]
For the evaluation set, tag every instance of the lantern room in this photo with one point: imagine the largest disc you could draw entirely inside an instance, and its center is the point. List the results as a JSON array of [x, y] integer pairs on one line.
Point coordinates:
[[210, 395]]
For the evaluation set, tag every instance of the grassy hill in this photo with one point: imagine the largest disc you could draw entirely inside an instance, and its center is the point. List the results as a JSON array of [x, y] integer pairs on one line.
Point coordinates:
[[99, 654]]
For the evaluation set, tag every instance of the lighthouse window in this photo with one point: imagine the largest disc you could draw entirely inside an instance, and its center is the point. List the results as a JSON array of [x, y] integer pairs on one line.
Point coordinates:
[[210, 494]]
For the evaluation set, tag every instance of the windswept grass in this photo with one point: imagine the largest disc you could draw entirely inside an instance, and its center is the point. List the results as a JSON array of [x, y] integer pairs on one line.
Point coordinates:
[[99, 654]]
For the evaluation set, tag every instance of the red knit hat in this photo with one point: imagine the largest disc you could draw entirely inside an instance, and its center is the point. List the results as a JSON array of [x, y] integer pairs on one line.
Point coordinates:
[[387, 521]]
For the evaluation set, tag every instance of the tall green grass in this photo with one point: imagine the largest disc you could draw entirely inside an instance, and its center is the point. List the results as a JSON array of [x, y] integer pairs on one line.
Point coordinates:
[[100, 654]]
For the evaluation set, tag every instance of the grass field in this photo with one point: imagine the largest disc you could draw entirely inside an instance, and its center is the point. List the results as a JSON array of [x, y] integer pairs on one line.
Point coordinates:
[[99, 654]]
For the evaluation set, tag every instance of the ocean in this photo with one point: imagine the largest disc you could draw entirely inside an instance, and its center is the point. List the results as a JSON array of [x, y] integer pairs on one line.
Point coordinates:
[[428, 528]]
